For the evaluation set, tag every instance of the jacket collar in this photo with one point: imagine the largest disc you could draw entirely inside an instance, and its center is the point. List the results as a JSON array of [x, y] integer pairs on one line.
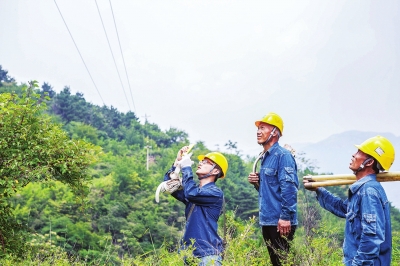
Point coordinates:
[[208, 184], [356, 186], [273, 147], [270, 150]]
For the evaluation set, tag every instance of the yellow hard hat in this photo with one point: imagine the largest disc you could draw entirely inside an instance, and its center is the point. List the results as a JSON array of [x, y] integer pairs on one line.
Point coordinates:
[[272, 119], [380, 149], [217, 158]]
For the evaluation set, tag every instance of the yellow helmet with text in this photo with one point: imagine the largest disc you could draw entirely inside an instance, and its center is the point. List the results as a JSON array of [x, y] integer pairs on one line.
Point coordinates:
[[217, 158], [381, 149], [272, 119]]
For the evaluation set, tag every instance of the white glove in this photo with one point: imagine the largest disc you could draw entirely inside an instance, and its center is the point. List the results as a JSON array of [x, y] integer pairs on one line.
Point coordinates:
[[186, 161]]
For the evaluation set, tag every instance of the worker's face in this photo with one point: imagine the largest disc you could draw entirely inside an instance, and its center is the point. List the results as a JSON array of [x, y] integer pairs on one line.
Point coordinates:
[[263, 132], [204, 167], [357, 159]]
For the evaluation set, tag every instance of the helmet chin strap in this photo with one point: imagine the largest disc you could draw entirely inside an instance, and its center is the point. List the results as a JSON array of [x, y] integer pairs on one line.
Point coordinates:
[[362, 165], [269, 138], [209, 173]]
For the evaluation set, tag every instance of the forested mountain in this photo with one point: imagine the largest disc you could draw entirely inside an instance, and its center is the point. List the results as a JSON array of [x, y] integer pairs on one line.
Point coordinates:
[[118, 221], [120, 211]]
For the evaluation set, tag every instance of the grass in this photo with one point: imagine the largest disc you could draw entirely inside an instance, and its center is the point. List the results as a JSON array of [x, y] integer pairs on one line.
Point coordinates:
[[244, 247]]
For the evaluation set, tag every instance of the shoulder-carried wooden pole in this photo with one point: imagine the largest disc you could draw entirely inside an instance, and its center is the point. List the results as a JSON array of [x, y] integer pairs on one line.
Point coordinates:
[[338, 180]]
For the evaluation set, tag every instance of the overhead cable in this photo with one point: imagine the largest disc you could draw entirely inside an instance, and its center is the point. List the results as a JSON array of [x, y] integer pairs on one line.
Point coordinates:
[[79, 53], [115, 64], [123, 59]]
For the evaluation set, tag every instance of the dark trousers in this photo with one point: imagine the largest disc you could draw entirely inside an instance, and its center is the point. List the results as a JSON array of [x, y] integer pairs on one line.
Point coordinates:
[[277, 245]]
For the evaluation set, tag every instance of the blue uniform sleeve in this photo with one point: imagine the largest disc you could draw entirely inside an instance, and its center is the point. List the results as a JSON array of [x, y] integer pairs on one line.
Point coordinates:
[[179, 195], [331, 203], [373, 229], [193, 193], [289, 183], [166, 176]]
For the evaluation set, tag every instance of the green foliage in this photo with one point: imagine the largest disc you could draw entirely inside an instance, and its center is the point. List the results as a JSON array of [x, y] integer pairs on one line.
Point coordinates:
[[5, 79], [32, 149], [47, 90], [244, 247], [396, 248], [45, 167], [322, 247], [109, 122], [239, 194], [395, 217], [78, 130]]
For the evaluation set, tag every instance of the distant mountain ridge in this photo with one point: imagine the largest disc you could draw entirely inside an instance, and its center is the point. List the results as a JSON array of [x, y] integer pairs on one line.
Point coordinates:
[[332, 155]]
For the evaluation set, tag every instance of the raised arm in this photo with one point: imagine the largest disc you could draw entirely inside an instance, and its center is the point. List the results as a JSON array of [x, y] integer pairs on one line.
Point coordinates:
[[331, 203]]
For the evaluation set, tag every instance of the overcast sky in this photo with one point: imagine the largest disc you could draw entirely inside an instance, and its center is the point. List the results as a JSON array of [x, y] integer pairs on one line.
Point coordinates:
[[211, 68]]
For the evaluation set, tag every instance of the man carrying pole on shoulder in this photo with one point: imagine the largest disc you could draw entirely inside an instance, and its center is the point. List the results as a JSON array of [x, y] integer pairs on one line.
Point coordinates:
[[277, 184], [368, 234], [204, 203]]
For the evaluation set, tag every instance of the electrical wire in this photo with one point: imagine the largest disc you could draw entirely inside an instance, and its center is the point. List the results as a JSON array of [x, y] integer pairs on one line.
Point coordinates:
[[115, 64], [123, 59], [79, 52]]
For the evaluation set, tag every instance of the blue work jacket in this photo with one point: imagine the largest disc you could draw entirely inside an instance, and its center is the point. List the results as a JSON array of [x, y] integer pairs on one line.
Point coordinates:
[[368, 233], [278, 187], [202, 225]]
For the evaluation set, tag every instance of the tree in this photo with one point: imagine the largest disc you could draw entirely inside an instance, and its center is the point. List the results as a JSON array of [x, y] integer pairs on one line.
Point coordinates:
[[70, 107], [232, 146], [4, 77], [47, 88], [176, 135], [33, 149]]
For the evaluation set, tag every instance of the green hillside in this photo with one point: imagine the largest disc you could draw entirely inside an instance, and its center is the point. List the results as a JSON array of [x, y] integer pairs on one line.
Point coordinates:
[[76, 190]]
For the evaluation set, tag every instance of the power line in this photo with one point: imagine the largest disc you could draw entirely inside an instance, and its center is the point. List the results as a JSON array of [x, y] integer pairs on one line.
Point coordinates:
[[123, 59], [79, 53], [109, 45]]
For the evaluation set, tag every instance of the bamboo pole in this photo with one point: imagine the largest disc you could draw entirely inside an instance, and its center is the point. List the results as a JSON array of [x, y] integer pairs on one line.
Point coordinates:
[[338, 180]]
